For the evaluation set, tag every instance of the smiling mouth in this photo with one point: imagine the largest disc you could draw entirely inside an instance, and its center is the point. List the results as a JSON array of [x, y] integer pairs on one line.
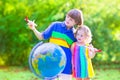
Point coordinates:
[[79, 39], [67, 22]]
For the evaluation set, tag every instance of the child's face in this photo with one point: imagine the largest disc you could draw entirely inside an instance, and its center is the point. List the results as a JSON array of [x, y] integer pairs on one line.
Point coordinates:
[[69, 21], [80, 36]]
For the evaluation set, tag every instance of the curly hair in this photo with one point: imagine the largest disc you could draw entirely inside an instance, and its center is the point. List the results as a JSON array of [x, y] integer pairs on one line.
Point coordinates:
[[87, 32]]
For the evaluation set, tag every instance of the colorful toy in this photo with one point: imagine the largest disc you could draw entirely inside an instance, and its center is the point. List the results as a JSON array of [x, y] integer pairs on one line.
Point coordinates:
[[26, 19], [47, 60]]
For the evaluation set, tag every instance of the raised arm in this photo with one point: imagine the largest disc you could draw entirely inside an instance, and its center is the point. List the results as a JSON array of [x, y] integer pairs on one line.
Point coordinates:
[[32, 26]]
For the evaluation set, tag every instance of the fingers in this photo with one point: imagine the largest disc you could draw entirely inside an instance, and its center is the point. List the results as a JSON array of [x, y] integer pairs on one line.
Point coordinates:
[[91, 45], [31, 24]]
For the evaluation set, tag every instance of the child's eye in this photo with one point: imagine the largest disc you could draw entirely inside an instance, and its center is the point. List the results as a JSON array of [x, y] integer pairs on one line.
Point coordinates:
[[71, 19], [67, 16], [81, 35]]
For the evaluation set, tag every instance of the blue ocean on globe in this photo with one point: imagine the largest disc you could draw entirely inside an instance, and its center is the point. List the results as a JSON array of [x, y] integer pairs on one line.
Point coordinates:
[[47, 60]]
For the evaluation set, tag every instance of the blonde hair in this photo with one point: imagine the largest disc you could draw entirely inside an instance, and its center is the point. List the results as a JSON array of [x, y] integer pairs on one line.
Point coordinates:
[[87, 33], [77, 15]]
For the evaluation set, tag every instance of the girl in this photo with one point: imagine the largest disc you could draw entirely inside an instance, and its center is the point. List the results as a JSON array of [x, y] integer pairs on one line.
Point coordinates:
[[82, 52]]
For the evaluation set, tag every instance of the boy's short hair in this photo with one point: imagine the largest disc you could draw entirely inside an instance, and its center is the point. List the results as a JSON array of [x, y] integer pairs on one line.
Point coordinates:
[[76, 14]]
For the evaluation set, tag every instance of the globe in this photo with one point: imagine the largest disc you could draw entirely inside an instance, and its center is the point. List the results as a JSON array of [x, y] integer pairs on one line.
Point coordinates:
[[47, 60]]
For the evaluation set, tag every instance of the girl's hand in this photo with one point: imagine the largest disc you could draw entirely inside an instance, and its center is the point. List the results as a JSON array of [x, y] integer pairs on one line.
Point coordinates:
[[31, 25], [91, 48], [94, 49], [91, 51]]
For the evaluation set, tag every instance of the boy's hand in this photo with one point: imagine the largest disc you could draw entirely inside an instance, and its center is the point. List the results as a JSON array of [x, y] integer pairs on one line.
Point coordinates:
[[31, 25]]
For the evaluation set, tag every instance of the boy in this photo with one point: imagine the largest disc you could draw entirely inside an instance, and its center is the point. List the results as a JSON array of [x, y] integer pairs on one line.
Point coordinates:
[[61, 33]]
